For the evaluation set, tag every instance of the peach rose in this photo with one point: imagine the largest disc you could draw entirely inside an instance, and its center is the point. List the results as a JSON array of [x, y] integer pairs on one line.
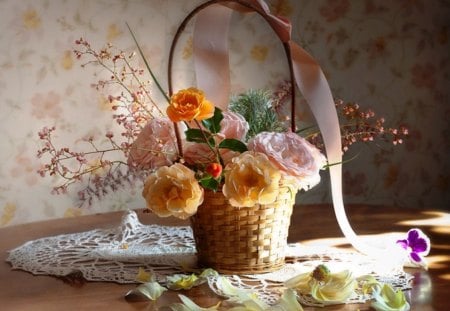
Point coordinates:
[[173, 191], [251, 179], [155, 145], [292, 154], [189, 104]]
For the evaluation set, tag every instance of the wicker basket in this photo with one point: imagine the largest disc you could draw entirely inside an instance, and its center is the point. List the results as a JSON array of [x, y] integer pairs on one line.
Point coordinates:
[[242, 240]]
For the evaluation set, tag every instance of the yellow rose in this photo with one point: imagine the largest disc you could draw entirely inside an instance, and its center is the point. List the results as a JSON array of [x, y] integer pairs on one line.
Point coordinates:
[[173, 191], [251, 179], [189, 104]]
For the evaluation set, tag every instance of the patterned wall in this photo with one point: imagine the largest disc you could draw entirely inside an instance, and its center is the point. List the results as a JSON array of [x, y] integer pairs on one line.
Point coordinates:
[[392, 56]]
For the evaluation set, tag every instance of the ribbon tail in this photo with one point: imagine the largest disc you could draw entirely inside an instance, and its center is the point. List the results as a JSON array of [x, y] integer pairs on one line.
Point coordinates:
[[312, 83]]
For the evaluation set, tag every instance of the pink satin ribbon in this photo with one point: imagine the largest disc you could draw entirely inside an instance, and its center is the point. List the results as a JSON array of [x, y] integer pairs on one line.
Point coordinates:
[[212, 72]]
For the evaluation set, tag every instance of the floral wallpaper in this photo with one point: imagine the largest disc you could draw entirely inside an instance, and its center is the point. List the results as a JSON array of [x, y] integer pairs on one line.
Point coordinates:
[[390, 56]]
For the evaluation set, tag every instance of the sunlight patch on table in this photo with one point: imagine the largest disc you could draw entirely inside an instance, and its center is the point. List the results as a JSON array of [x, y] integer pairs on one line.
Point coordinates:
[[438, 262], [440, 222], [445, 276]]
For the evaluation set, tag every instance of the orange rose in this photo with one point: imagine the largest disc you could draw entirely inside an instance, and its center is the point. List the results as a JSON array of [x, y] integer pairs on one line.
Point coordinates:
[[189, 104]]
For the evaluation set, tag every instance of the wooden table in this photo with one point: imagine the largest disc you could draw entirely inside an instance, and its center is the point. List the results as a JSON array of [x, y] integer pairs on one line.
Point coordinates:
[[20, 290]]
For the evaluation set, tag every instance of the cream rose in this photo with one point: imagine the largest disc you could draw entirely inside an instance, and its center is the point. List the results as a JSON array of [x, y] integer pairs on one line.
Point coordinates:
[[173, 191], [292, 154], [155, 145], [251, 179]]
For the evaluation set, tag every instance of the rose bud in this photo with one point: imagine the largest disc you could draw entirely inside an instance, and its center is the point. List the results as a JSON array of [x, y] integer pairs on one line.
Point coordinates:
[[214, 169]]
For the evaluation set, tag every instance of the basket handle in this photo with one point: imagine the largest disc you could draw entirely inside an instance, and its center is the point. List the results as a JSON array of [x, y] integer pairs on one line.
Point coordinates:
[[208, 56], [310, 80]]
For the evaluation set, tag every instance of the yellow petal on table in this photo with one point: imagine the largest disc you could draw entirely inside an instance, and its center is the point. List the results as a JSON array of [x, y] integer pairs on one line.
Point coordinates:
[[287, 302], [390, 300], [146, 291], [208, 272], [188, 305], [182, 281], [144, 276], [369, 284], [300, 282], [337, 288], [231, 291], [254, 303], [243, 297]]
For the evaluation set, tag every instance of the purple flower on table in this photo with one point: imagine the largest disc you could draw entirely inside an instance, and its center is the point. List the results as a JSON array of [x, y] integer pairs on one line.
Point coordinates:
[[417, 244]]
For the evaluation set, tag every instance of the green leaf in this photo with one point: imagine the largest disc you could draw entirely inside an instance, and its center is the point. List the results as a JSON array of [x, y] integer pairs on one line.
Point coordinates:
[[213, 123], [210, 183], [233, 144], [199, 136], [141, 53]]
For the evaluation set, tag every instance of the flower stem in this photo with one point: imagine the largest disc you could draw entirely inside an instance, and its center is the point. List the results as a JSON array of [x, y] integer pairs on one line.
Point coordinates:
[[147, 65]]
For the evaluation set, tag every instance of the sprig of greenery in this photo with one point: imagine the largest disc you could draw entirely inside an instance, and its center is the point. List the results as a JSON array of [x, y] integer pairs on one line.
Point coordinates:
[[256, 107]]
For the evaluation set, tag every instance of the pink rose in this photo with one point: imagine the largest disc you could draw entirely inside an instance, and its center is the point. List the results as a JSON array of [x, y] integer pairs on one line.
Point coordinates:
[[292, 154], [196, 153], [155, 145], [233, 125]]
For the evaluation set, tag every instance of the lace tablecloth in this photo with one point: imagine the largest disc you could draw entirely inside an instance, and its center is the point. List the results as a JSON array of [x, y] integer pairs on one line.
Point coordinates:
[[116, 255]]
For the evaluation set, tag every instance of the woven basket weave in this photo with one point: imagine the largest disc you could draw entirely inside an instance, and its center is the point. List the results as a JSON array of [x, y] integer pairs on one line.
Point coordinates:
[[242, 240]]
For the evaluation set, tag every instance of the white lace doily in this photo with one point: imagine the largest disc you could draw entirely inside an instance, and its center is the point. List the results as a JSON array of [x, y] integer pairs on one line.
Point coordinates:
[[117, 254]]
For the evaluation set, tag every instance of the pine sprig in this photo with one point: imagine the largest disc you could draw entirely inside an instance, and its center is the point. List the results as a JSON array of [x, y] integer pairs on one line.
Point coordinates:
[[256, 107]]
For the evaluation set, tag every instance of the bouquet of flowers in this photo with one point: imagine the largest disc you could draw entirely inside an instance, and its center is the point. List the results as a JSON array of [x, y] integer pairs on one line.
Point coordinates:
[[233, 172], [220, 154], [244, 152], [247, 156]]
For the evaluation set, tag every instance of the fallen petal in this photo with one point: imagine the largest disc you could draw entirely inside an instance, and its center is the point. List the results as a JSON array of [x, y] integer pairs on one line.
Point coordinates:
[[182, 281], [192, 306], [144, 276], [287, 302], [389, 300], [146, 291]]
